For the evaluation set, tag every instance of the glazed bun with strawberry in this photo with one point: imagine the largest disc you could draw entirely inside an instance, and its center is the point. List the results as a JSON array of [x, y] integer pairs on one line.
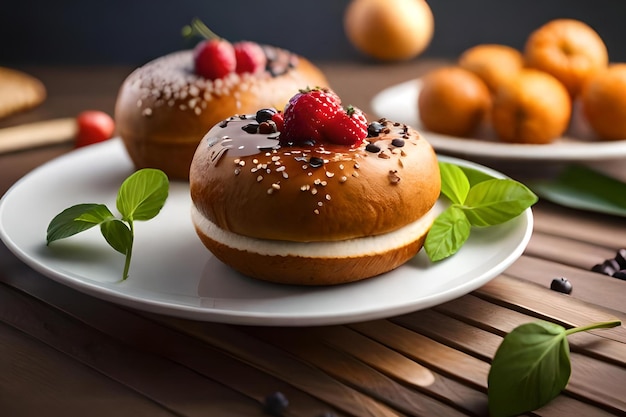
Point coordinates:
[[166, 106], [314, 194]]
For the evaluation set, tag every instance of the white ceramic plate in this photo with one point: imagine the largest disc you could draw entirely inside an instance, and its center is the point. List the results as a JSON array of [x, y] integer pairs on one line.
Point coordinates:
[[399, 103], [172, 273]]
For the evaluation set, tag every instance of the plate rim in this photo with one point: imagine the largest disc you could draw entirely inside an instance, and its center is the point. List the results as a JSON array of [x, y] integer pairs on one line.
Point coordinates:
[[473, 147], [118, 296]]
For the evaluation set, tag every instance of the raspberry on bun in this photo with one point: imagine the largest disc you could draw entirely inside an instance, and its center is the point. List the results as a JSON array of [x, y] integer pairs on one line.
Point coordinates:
[[328, 199], [166, 106]]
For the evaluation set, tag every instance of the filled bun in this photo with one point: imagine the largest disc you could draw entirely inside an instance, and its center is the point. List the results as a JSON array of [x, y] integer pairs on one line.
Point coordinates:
[[313, 214], [164, 108]]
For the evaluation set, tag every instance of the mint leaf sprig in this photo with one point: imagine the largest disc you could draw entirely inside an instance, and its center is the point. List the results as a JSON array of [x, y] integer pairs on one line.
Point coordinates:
[[140, 197], [531, 367], [477, 200]]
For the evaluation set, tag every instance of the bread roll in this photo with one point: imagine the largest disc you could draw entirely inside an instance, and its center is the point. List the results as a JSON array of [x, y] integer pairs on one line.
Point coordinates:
[[164, 108], [313, 214]]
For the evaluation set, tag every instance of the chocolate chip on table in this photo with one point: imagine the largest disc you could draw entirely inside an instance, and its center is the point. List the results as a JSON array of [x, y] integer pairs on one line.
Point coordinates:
[[614, 267], [621, 274], [620, 257], [275, 404], [561, 285]]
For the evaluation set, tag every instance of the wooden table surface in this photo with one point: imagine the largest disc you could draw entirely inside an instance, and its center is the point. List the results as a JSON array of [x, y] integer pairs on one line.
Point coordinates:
[[64, 353]]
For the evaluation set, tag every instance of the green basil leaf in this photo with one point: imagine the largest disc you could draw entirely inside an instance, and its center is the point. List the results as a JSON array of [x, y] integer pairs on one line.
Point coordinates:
[[475, 176], [76, 219], [583, 188], [530, 368], [143, 194], [448, 233], [454, 183], [118, 235], [496, 201]]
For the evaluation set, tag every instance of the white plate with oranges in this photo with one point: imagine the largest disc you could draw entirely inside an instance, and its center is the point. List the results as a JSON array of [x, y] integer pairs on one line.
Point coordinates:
[[559, 99], [399, 102]]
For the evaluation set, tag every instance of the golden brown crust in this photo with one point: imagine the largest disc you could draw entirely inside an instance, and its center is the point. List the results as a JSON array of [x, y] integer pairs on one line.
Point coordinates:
[[285, 193], [314, 263], [298, 270], [163, 109]]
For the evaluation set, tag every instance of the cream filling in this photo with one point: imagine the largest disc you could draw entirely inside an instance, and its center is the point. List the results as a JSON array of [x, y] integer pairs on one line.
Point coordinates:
[[337, 249]]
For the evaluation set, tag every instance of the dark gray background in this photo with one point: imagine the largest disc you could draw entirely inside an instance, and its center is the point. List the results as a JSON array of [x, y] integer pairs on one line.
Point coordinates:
[[135, 31]]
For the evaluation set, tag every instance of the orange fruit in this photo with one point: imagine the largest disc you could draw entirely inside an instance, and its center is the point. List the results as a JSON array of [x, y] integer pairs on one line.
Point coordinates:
[[493, 63], [532, 108], [389, 30], [569, 49], [453, 101], [603, 101]]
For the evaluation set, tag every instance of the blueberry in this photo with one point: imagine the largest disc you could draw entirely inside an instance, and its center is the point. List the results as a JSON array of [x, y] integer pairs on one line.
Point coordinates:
[[264, 115], [374, 129], [561, 285], [275, 404], [372, 148], [398, 142]]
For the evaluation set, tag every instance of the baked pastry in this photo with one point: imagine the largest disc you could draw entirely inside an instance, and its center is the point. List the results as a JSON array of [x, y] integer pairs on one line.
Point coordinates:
[[313, 211], [19, 92], [165, 107]]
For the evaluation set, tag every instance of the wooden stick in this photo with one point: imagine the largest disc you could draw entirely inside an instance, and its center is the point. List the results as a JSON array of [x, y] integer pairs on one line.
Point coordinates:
[[32, 135]]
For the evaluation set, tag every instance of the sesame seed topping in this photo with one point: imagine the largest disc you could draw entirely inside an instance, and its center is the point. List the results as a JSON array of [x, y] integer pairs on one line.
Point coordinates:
[[236, 161], [328, 197], [343, 179], [281, 168], [330, 174], [259, 178], [313, 191], [285, 175], [237, 171], [276, 186], [320, 203], [316, 211], [305, 187]]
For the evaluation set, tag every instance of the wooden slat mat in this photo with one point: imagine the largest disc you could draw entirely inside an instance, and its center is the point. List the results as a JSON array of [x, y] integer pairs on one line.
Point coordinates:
[[433, 362]]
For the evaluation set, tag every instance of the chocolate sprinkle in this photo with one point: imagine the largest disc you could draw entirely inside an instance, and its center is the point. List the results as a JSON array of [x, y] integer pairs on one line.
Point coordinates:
[[316, 162], [397, 142], [372, 148], [251, 128]]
